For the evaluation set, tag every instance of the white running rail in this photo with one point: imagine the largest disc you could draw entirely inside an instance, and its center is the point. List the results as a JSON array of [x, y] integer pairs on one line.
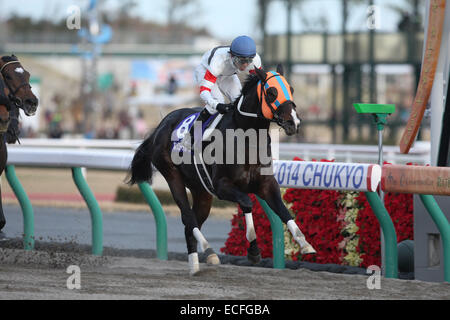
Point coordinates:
[[419, 154]]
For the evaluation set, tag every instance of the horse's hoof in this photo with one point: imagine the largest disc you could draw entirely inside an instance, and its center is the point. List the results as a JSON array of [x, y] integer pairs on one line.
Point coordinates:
[[194, 272], [254, 258], [308, 249], [253, 253], [212, 259], [194, 266], [194, 269], [3, 236]]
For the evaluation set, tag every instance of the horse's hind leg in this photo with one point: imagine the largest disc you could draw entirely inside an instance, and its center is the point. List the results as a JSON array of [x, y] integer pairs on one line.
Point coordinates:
[[191, 228], [227, 191], [202, 201]]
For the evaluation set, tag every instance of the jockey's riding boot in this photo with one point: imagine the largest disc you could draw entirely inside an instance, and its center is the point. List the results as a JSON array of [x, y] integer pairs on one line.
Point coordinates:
[[189, 137]]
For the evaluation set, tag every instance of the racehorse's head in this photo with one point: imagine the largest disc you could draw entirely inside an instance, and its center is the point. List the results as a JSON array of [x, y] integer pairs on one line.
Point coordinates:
[[17, 80], [5, 107], [275, 96]]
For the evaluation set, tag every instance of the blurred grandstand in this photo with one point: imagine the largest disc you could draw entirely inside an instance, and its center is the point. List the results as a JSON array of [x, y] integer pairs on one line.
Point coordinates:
[[132, 87]]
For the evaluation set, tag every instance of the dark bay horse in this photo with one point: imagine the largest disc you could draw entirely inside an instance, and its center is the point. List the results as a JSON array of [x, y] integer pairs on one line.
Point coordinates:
[[266, 97], [15, 93], [5, 107]]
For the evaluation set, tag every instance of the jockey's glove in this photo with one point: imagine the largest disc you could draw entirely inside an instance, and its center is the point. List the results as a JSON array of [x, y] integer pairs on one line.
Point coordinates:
[[224, 107]]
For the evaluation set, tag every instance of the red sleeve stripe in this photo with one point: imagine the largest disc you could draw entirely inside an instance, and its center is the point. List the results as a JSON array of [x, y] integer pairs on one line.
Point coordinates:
[[202, 88], [252, 71], [210, 77]]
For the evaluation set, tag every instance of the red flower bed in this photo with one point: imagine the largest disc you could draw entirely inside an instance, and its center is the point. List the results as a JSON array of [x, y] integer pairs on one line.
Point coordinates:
[[237, 242], [318, 213], [400, 208]]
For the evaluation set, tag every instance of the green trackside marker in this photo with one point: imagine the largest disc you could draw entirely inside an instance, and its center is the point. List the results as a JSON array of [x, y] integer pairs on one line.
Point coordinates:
[[380, 113], [374, 108]]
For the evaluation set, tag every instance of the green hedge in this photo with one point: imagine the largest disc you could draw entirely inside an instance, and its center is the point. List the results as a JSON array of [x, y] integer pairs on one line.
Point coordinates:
[[134, 195]]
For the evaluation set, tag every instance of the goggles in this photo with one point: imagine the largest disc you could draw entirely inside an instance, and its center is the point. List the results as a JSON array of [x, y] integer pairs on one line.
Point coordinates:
[[239, 61]]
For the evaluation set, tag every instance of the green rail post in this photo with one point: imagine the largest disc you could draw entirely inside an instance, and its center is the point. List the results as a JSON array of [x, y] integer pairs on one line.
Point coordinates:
[[94, 209], [160, 219], [277, 235], [388, 232], [443, 226], [25, 204]]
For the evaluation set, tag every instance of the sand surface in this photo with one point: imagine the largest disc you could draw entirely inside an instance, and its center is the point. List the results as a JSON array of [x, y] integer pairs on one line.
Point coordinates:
[[42, 275]]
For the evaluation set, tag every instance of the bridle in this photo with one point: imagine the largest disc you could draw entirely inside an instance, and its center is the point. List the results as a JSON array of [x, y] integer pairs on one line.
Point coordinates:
[[262, 87], [12, 95]]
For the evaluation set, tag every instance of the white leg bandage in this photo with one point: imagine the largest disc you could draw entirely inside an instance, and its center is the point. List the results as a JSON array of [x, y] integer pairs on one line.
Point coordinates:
[[296, 233], [194, 266], [201, 239], [251, 234], [299, 237]]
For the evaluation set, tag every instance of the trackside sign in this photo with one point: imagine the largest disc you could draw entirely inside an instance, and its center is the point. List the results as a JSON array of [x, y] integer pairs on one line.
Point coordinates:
[[327, 175]]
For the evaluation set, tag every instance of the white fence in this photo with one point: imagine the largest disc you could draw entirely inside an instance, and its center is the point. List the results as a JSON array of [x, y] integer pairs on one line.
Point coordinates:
[[292, 174], [419, 154]]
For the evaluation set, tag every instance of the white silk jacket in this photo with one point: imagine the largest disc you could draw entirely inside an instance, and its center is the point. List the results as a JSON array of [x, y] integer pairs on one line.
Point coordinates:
[[217, 64]]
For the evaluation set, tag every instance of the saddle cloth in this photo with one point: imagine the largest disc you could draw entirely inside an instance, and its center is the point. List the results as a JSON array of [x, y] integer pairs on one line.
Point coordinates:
[[177, 145], [185, 126]]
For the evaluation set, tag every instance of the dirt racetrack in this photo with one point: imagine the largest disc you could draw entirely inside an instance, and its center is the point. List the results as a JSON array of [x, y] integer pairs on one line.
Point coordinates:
[[42, 274]]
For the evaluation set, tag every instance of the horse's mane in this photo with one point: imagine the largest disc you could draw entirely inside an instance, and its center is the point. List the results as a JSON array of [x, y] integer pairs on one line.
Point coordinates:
[[249, 83]]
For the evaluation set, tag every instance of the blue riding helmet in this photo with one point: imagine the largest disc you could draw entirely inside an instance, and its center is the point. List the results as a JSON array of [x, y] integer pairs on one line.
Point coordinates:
[[243, 46]]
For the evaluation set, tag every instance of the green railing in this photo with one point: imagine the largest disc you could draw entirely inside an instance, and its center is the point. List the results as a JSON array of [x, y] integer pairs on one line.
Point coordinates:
[[160, 218], [443, 226], [94, 209], [25, 204], [277, 235], [388, 232], [391, 252]]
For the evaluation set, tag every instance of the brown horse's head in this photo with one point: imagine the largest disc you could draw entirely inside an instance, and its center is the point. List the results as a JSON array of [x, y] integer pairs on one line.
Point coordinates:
[[17, 79]]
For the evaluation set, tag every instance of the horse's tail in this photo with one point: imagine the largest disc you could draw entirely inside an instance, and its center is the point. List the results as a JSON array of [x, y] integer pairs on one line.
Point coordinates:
[[141, 169]]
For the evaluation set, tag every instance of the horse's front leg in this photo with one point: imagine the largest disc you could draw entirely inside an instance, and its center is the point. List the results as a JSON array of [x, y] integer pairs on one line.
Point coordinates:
[[227, 191], [201, 206], [270, 192]]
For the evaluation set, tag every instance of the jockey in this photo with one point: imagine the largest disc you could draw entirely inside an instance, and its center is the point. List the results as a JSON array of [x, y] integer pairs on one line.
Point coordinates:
[[217, 75]]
